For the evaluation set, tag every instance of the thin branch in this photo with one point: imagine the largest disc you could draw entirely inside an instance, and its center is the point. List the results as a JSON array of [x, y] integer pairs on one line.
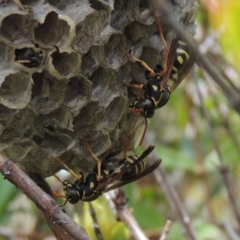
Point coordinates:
[[62, 226], [223, 168], [170, 191], [96, 227], [202, 174], [229, 229], [231, 232], [172, 195], [125, 215], [225, 120], [166, 230], [7, 233], [34, 235]]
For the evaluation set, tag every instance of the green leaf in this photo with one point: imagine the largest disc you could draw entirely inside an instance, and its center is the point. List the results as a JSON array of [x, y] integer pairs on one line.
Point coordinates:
[[8, 192], [173, 159]]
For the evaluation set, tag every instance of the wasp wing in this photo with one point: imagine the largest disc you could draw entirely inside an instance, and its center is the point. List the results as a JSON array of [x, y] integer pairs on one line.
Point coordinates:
[[118, 173], [146, 171], [168, 65]]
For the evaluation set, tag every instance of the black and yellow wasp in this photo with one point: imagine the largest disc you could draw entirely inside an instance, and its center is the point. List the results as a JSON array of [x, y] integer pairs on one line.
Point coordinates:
[[177, 62], [96, 183], [29, 57]]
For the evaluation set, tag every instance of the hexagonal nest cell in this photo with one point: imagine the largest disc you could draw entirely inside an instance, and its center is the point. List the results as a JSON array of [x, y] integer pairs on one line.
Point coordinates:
[[52, 31], [17, 28], [63, 64]]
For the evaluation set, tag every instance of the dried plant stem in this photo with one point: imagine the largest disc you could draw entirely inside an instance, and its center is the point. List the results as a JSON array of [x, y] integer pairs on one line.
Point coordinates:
[[61, 225], [223, 168], [124, 214], [7, 233], [229, 229], [172, 195], [96, 226], [202, 174], [166, 230], [174, 198]]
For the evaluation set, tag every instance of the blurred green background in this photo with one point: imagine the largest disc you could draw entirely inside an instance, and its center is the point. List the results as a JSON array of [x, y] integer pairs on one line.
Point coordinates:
[[183, 140]]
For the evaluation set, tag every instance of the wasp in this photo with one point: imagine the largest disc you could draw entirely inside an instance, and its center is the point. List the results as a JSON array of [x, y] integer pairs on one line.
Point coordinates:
[[29, 57], [157, 91], [90, 188]]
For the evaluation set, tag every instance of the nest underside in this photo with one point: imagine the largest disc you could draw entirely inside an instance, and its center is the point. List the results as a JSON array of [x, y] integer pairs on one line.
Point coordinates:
[[77, 93]]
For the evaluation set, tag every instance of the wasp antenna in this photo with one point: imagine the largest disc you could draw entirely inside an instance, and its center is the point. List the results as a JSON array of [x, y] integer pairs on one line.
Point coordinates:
[[142, 63], [160, 30], [58, 179], [166, 54], [99, 163], [68, 169], [64, 203]]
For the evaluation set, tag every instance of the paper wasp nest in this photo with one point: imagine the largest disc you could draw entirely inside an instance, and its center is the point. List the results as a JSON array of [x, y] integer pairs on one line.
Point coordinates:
[[73, 87]]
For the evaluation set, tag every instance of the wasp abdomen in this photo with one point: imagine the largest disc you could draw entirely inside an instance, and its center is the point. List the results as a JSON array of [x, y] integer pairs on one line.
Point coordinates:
[[182, 57], [134, 171]]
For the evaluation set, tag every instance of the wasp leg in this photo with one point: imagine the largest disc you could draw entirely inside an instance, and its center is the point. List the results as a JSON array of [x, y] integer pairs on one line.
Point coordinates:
[[58, 195], [166, 54], [140, 86], [58, 179], [77, 176], [152, 73], [135, 110], [99, 163]]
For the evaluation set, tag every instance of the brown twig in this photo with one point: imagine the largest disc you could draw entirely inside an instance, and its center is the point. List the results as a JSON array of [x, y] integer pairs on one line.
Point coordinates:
[[225, 121], [7, 233], [172, 195], [231, 232], [62, 226], [225, 225], [166, 230], [34, 235], [96, 227], [123, 212], [174, 198], [223, 168], [199, 152]]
